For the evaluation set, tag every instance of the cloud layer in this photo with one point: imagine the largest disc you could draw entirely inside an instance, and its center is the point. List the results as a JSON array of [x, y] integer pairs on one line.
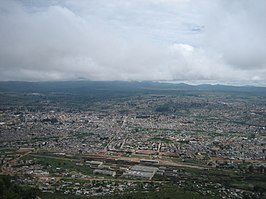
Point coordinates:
[[171, 40]]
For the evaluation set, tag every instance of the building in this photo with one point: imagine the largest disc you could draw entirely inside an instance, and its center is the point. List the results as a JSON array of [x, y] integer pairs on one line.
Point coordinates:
[[140, 172]]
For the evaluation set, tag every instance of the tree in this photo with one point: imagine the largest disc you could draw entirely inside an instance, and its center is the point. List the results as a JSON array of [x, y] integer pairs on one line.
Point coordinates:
[[9, 190], [251, 168]]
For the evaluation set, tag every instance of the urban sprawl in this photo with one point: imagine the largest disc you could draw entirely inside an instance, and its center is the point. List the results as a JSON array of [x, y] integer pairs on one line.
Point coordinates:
[[138, 143]]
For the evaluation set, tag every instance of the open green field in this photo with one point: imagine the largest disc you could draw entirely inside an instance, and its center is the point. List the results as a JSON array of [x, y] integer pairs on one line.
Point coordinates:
[[53, 163]]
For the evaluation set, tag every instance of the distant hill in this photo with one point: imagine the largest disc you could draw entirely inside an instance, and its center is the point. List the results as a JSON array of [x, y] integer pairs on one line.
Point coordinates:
[[85, 86]]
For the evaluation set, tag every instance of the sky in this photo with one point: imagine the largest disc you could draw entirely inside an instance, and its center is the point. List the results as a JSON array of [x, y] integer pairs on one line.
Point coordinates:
[[192, 41]]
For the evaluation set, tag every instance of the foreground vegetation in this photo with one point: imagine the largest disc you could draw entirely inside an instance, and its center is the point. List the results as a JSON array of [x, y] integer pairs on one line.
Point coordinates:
[[163, 194], [9, 190]]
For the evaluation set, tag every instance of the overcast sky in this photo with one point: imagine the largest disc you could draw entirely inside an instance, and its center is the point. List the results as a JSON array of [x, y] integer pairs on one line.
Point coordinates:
[[196, 41]]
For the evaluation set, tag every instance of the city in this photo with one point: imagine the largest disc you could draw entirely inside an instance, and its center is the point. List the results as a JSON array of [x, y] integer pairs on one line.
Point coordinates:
[[132, 99], [143, 142]]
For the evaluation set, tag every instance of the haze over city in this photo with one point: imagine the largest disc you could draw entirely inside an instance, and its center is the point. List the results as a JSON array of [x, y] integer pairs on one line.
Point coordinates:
[[210, 41]]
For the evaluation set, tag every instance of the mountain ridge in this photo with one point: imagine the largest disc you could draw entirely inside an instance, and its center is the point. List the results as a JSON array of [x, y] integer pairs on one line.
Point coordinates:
[[76, 86]]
